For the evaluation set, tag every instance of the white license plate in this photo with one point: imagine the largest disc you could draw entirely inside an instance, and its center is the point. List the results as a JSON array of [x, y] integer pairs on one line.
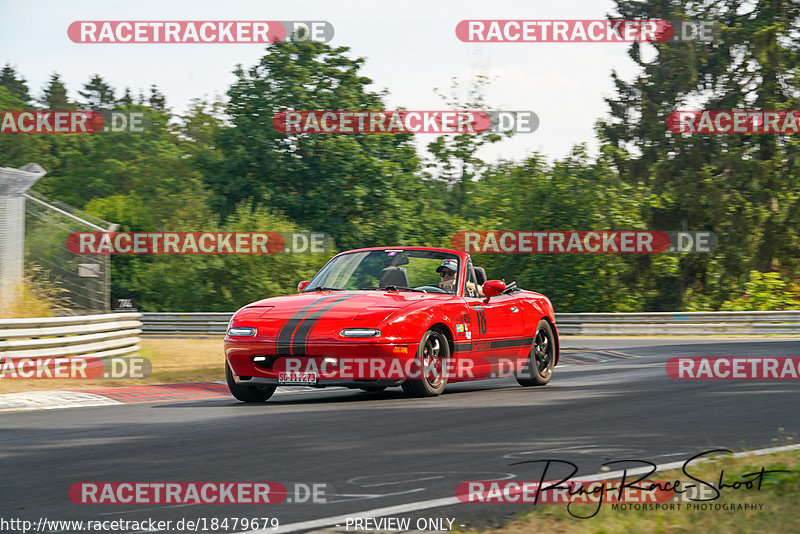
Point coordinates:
[[295, 378]]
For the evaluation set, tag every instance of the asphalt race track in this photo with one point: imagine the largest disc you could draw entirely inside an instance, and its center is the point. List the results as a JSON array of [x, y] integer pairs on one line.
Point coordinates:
[[610, 399]]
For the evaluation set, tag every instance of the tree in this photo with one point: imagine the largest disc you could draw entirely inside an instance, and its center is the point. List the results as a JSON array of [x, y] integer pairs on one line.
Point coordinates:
[[98, 94], [765, 292], [126, 99], [16, 85], [573, 194], [55, 95], [742, 187], [18, 150], [454, 162], [157, 99], [355, 187], [223, 282]]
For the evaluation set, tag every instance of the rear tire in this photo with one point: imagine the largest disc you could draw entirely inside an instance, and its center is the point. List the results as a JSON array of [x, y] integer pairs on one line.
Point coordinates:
[[433, 354], [247, 393], [538, 369]]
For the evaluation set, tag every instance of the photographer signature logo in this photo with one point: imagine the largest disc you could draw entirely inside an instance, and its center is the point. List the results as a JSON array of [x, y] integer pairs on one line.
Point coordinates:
[[631, 487]]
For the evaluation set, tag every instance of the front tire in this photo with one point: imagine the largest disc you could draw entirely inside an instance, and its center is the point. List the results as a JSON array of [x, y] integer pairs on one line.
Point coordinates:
[[538, 369], [432, 357], [247, 393]]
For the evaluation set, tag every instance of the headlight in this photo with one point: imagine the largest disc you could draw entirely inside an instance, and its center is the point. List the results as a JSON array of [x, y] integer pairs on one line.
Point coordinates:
[[360, 332], [241, 332]]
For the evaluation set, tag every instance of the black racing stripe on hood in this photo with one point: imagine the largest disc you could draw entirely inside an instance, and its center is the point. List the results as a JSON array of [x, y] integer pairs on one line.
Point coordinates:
[[300, 339], [284, 339]]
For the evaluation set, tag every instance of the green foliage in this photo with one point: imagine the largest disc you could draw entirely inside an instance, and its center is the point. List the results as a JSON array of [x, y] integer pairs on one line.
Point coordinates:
[[15, 84], [17, 150], [223, 282], [454, 166], [98, 94], [222, 166], [55, 95], [741, 187], [764, 292], [354, 187], [573, 194]]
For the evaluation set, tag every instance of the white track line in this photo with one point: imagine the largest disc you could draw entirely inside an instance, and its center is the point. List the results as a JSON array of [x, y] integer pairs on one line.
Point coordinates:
[[51, 400], [449, 501]]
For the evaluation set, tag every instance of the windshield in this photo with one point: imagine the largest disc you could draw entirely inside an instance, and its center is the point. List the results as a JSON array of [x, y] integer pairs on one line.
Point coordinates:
[[392, 269]]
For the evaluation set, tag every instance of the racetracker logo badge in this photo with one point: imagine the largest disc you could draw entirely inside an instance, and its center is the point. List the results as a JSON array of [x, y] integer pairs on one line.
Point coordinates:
[[198, 31], [595, 242], [177, 493], [734, 368], [75, 368], [734, 122], [198, 493], [566, 492], [310, 369], [404, 122], [198, 243], [564, 31], [72, 122]]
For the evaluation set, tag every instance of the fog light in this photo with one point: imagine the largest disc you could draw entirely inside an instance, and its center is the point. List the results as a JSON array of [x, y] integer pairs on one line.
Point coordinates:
[[360, 332], [238, 331]]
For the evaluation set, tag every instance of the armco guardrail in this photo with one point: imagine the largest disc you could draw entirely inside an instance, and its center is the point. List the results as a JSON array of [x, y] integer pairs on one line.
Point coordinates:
[[679, 323], [166, 323], [659, 323], [99, 336]]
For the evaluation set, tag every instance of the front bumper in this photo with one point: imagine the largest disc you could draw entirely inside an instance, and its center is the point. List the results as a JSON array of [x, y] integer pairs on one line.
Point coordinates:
[[351, 364]]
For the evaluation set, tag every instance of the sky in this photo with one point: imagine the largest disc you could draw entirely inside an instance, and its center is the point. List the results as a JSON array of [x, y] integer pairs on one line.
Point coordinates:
[[410, 48]]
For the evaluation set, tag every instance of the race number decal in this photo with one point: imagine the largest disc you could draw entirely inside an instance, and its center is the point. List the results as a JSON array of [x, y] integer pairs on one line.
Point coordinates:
[[481, 318]]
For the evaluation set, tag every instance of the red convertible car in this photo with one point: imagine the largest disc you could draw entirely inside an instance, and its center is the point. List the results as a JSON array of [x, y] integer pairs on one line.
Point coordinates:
[[373, 318]]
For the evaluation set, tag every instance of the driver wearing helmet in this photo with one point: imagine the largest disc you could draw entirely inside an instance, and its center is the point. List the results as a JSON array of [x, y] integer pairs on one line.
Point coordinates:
[[447, 271]]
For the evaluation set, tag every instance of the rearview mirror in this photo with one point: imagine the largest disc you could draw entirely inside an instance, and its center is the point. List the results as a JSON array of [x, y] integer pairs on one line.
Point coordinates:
[[492, 288], [302, 285]]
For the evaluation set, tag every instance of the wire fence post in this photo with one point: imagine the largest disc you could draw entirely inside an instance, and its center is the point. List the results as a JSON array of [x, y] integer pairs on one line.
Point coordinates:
[[13, 185]]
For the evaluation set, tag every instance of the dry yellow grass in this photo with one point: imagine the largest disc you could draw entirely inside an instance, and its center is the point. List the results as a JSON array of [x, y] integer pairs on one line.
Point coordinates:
[[173, 360]]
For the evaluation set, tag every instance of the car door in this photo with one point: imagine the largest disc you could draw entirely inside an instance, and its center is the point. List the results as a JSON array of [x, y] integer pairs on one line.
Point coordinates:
[[497, 327]]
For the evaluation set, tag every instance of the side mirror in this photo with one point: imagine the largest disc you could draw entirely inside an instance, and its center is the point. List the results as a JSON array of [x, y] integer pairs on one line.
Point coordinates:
[[492, 288], [302, 285]]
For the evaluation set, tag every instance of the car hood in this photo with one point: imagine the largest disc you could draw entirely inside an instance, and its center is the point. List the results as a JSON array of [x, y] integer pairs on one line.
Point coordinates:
[[336, 305], [327, 312]]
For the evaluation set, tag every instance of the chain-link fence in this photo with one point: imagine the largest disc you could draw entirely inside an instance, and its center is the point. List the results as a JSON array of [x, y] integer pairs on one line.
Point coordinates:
[[76, 283]]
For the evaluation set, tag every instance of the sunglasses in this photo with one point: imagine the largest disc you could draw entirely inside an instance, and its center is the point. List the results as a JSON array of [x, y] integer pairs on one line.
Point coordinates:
[[443, 274]]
